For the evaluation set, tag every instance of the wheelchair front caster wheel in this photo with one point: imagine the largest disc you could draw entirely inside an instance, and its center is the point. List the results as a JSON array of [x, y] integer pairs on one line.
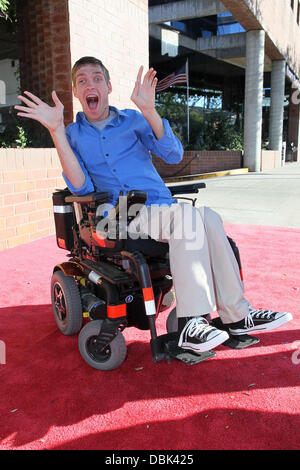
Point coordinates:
[[66, 303], [109, 358]]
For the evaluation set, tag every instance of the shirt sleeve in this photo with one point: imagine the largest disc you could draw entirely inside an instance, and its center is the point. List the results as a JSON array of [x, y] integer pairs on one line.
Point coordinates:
[[169, 147], [88, 186]]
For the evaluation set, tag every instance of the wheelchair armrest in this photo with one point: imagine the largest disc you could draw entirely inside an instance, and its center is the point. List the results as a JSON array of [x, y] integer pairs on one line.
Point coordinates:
[[88, 198], [186, 188]]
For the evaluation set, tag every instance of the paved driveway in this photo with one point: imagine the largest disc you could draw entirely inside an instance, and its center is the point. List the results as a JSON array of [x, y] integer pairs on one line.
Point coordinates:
[[267, 198]]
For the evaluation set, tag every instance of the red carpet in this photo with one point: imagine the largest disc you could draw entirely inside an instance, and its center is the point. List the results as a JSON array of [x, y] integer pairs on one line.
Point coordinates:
[[51, 399]]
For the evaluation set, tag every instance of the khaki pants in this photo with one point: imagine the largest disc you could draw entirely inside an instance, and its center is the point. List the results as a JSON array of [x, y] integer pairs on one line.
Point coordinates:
[[204, 269]]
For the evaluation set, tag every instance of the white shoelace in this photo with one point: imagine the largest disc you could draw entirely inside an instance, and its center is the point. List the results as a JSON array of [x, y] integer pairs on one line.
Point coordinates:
[[261, 313], [258, 314], [249, 321], [198, 326]]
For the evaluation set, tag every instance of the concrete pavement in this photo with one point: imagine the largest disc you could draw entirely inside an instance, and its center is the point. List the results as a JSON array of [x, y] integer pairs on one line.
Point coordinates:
[[267, 198]]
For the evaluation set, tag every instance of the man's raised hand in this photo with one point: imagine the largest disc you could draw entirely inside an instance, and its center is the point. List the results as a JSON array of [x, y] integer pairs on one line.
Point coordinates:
[[143, 94], [52, 117]]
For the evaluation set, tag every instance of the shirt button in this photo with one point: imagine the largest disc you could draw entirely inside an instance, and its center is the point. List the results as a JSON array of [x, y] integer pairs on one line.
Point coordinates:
[[114, 170], [107, 154]]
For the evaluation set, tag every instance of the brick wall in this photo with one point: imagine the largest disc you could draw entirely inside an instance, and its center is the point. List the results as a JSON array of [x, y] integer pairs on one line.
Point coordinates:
[[115, 31], [196, 162], [28, 178], [44, 49], [55, 33]]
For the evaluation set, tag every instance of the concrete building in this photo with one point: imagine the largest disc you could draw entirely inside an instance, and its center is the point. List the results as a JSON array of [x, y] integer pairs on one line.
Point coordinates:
[[247, 49]]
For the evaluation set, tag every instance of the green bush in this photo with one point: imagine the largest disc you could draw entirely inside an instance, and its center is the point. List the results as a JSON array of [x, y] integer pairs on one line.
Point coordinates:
[[4, 6], [208, 129], [219, 133], [19, 132]]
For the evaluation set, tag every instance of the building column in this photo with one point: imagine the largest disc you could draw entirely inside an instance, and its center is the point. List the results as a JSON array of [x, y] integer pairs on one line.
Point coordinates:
[[277, 104], [294, 122], [255, 54]]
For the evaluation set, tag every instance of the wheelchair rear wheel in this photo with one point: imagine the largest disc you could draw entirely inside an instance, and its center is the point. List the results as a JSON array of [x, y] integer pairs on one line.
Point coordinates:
[[66, 303], [109, 358]]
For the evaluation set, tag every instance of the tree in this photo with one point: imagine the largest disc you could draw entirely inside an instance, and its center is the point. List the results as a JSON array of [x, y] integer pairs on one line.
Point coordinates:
[[4, 8], [173, 106], [210, 129]]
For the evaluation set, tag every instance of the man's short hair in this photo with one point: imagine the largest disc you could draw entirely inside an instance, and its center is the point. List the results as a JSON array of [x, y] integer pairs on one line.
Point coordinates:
[[89, 60]]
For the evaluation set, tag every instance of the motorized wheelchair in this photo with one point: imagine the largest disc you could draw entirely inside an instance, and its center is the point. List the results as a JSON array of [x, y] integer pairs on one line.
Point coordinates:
[[112, 282]]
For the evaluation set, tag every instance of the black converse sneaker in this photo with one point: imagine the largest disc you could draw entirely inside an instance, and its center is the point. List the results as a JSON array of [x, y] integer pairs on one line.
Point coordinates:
[[259, 320], [198, 336]]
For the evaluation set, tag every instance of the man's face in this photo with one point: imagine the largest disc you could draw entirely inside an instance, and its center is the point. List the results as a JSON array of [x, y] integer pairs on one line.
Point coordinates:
[[92, 91]]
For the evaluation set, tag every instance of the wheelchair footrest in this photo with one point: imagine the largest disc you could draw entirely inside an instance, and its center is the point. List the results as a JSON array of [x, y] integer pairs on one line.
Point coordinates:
[[170, 350], [188, 357], [241, 342], [234, 342]]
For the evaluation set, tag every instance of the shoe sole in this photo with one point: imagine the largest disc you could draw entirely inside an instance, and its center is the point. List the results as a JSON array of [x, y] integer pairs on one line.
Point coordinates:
[[264, 327], [208, 345]]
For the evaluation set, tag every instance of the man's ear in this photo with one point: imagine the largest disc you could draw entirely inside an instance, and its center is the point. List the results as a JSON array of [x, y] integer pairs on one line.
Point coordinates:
[[74, 91], [109, 86]]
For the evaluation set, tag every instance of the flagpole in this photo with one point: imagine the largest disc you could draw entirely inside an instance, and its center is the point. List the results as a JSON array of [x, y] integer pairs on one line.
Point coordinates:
[[187, 99]]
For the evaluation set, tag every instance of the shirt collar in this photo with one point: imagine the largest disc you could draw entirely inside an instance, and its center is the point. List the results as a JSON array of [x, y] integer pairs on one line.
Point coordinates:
[[80, 117]]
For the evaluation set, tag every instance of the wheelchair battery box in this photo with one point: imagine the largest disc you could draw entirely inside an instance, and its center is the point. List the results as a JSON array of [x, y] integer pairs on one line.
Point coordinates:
[[64, 219]]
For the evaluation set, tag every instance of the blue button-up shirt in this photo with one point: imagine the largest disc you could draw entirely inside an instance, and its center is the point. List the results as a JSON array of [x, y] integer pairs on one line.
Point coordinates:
[[118, 158]]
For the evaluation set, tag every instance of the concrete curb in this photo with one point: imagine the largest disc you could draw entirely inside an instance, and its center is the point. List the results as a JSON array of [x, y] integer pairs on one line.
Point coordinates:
[[175, 179]]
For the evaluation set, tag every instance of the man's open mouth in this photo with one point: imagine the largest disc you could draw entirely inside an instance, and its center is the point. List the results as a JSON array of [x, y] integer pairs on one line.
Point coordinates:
[[92, 101]]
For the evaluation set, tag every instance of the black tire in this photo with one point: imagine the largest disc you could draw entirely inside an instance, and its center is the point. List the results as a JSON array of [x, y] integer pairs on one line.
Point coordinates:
[[66, 303], [114, 354], [172, 322]]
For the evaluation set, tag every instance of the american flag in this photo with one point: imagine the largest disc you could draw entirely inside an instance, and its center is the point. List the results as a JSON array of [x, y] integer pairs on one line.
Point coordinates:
[[179, 76]]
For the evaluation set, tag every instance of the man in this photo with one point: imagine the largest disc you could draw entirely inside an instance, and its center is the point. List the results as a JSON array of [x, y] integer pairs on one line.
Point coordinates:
[[109, 150]]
